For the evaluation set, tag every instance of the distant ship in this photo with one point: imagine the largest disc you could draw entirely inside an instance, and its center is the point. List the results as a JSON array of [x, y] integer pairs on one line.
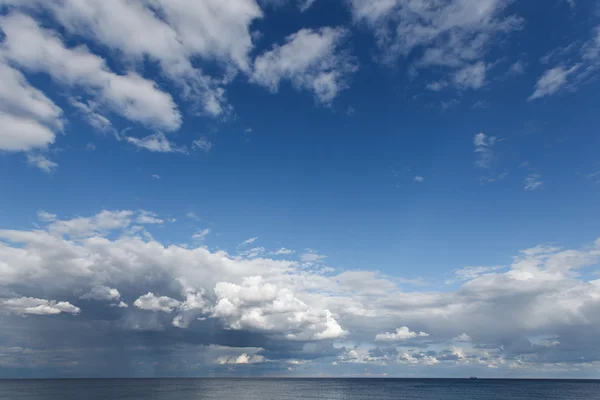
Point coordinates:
[[473, 377]]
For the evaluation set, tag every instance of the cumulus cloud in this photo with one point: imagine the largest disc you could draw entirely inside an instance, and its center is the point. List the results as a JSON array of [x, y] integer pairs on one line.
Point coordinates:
[[401, 334], [102, 293], [287, 307], [41, 50], [28, 119], [33, 306], [309, 59], [151, 302]]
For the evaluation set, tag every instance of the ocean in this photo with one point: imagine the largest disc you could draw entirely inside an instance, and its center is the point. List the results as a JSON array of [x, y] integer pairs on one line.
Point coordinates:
[[292, 389]]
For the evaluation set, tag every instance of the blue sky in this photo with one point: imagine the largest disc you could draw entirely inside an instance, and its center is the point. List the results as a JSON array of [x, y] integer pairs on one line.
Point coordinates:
[[404, 157]]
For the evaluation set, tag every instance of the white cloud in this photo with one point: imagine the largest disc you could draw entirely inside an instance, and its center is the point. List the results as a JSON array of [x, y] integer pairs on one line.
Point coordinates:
[[192, 215], [437, 85], [463, 337], [200, 235], [311, 60], [102, 293], [517, 68], [46, 216], [471, 76], [256, 305], [545, 291], [155, 176], [452, 33], [149, 217], [28, 119], [150, 302], [33, 306], [401, 334], [283, 251], [241, 359], [483, 148], [419, 179], [88, 226], [170, 33], [40, 161], [202, 144], [98, 121], [253, 252], [40, 50], [552, 81], [156, 143], [533, 181], [468, 273], [249, 241]]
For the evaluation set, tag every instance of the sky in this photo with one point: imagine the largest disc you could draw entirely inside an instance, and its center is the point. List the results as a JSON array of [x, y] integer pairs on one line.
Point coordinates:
[[403, 188]]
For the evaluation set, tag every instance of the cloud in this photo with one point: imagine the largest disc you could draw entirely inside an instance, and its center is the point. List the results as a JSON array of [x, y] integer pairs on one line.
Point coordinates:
[[310, 257], [551, 82], [516, 68], [310, 59], [189, 295], [102, 293], [248, 241], [170, 33], [88, 226], [200, 235], [150, 302], [46, 216], [533, 181], [401, 334], [131, 96], [452, 34], [283, 251], [419, 179], [40, 161], [149, 217], [256, 305], [155, 176], [33, 306], [470, 77], [28, 119], [463, 337], [202, 144], [469, 273], [241, 359], [96, 120], [483, 148], [156, 143]]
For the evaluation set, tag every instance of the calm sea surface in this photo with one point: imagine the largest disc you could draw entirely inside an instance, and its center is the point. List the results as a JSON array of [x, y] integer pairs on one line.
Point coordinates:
[[265, 389]]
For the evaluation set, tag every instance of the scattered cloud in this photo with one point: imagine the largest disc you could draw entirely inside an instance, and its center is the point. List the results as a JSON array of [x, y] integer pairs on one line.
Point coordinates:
[[40, 161], [310, 257], [419, 179], [401, 334], [484, 148], [151, 302], [283, 251], [34, 306], [463, 337], [241, 359], [471, 76], [102, 293], [148, 217], [310, 59], [516, 68], [248, 241], [201, 235], [551, 82], [533, 181], [156, 143], [202, 144], [154, 176]]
